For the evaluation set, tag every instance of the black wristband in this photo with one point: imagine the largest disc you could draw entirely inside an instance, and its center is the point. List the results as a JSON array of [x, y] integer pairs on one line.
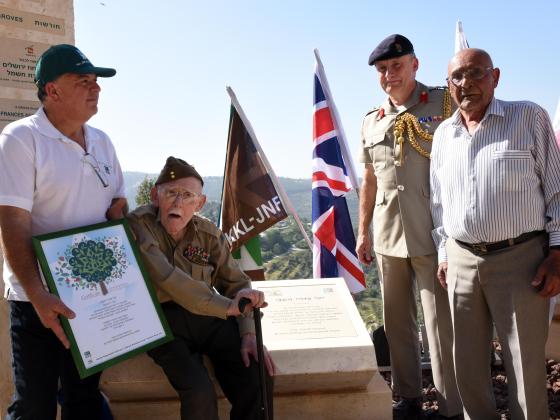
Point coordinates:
[[554, 247]]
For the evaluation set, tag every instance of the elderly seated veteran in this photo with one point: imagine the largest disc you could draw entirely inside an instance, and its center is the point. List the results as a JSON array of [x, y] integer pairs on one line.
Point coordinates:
[[199, 285]]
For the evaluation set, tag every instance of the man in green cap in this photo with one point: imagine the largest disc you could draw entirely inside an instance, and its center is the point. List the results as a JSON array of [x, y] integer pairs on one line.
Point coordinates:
[[395, 193], [57, 173], [200, 285]]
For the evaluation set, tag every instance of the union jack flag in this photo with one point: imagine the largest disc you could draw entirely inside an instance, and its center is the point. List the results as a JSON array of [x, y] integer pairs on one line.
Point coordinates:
[[334, 243]]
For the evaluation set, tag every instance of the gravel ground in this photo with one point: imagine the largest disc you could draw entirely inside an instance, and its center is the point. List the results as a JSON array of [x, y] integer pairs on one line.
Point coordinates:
[[499, 380]]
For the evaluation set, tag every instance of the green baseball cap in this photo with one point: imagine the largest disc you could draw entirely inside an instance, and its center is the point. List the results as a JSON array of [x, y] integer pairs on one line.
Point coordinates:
[[63, 58]]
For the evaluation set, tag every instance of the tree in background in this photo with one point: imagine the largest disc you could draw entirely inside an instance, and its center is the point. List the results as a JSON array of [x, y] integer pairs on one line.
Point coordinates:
[[143, 192]]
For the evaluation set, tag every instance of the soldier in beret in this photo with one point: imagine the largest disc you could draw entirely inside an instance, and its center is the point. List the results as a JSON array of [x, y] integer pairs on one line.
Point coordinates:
[[396, 142], [199, 285]]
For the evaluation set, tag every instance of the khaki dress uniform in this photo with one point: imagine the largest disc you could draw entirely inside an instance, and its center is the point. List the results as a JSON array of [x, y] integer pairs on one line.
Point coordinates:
[[196, 279], [404, 248]]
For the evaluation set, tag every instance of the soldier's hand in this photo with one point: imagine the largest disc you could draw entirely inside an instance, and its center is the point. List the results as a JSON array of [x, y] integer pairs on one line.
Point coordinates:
[[48, 308], [547, 279], [442, 274], [255, 296], [363, 249], [249, 347]]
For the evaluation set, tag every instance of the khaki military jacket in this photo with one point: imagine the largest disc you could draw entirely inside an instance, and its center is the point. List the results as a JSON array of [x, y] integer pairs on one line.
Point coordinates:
[[402, 222], [197, 272]]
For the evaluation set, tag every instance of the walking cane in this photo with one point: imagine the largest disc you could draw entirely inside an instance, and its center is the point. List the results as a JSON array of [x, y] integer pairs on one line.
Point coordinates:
[[260, 353]]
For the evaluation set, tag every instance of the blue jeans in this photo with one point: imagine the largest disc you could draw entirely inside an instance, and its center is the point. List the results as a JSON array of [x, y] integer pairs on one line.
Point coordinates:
[[39, 361]]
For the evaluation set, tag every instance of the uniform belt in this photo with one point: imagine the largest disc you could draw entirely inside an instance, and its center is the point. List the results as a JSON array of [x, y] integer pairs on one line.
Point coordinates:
[[488, 247]]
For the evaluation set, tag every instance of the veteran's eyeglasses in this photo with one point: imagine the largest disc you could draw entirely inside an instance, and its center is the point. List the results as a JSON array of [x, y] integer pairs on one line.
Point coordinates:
[[476, 73], [187, 197], [92, 161]]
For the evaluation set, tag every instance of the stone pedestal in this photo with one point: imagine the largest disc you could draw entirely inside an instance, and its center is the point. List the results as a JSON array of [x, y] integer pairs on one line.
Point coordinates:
[[325, 361]]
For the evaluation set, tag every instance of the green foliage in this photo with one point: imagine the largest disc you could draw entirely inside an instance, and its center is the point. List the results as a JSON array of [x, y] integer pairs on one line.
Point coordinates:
[[211, 210], [92, 261], [286, 255], [143, 191]]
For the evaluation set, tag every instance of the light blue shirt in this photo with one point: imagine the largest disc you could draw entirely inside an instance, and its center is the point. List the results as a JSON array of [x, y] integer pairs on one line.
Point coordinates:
[[500, 182]]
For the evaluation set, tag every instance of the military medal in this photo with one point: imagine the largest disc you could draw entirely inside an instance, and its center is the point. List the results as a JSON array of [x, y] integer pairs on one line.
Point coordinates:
[[197, 255]]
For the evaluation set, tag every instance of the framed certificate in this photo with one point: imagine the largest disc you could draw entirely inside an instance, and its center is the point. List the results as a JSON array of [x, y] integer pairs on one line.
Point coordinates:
[[97, 272]]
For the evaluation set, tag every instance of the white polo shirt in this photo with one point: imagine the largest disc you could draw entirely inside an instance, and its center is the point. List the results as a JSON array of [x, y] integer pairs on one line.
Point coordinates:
[[49, 175]]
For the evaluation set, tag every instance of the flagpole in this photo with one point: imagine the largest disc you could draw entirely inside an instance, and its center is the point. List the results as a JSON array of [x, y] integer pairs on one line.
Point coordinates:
[[336, 117], [224, 176], [286, 202]]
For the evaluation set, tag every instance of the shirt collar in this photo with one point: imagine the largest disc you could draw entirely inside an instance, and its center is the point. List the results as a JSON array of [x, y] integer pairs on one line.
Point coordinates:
[[47, 129], [494, 108], [412, 100]]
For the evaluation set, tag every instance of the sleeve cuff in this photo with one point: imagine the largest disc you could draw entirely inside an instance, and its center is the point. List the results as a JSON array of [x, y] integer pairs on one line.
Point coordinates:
[[554, 238], [19, 202], [442, 254]]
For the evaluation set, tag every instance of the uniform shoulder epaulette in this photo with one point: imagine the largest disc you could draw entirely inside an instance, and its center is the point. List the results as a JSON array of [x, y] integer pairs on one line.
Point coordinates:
[[206, 225], [377, 108], [442, 88]]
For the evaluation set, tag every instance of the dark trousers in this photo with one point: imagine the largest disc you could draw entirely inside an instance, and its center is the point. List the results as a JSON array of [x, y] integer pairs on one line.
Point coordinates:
[[181, 359], [39, 361]]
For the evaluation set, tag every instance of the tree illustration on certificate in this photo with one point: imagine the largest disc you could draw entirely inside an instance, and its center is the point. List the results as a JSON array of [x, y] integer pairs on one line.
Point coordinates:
[[90, 264]]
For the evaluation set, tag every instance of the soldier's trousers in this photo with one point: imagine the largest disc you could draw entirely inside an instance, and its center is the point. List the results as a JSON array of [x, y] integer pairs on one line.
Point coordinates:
[[399, 277], [181, 359]]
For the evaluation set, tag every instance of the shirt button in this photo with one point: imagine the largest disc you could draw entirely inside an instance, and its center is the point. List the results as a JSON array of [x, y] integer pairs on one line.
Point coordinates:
[[400, 187]]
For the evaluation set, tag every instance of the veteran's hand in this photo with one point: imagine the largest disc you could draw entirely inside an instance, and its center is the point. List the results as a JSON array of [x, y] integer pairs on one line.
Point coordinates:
[[442, 274], [48, 308], [255, 296], [249, 347], [118, 209], [363, 249], [547, 279]]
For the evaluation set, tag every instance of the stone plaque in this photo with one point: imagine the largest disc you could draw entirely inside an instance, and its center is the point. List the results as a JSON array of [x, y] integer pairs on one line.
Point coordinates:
[[308, 311], [315, 312], [17, 62], [32, 21], [15, 109]]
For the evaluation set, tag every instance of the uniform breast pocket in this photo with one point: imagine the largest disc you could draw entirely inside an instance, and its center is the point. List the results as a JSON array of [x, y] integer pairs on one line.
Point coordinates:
[[514, 170], [202, 273], [377, 150]]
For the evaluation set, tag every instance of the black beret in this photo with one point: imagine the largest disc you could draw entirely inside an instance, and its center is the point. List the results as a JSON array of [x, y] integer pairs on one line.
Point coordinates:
[[391, 47], [175, 169]]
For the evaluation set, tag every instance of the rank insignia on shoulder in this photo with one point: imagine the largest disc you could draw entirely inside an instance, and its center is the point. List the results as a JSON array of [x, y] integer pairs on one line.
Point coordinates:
[[197, 255], [373, 110]]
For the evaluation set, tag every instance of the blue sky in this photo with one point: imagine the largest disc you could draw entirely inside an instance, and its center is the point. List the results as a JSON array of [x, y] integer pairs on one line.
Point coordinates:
[[174, 59]]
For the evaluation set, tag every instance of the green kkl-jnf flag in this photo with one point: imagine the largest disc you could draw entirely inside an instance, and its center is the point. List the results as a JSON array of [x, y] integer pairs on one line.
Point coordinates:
[[250, 203]]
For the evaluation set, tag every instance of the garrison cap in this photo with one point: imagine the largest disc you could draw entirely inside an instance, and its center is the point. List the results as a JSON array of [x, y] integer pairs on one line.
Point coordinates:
[[391, 47], [64, 58], [176, 168]]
